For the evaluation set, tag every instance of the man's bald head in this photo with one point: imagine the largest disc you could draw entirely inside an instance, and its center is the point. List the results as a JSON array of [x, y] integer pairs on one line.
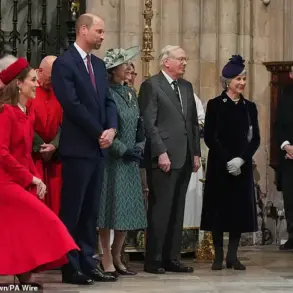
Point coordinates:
[[47, 62], [45, 70], [89, 31]]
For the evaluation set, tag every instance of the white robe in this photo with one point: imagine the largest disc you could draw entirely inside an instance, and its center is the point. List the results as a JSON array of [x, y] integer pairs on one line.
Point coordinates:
[[193, 202]]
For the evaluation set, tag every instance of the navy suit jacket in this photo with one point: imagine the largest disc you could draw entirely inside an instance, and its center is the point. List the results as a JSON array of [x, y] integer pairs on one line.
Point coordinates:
[[86, 112]]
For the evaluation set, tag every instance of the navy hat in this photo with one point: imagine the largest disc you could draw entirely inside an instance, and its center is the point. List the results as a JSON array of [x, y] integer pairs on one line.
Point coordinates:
[[234, 67]]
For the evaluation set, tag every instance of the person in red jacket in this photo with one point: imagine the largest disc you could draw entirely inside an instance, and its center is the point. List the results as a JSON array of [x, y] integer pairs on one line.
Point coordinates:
[[33, 238], [48, 118]]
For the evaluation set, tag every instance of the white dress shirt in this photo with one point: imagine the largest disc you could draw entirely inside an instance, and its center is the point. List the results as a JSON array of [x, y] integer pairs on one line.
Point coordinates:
[[83, 55], [170, 80]]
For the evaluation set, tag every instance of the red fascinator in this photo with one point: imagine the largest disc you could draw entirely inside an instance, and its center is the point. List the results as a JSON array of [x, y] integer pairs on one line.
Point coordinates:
[[8, 74]]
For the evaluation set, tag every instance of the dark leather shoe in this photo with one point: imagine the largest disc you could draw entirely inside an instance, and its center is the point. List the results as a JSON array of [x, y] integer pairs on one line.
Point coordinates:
[[236, 265], [154, 269], [177, 267], [100, 276], [288, 245], [217, 266], [77, 278]]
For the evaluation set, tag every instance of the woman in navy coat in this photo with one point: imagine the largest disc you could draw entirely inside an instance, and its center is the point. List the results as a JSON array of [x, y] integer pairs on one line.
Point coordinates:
[[231, 133]]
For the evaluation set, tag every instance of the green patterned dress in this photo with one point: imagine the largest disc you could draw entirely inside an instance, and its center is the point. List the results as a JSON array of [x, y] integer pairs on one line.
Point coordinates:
[[122, 205]]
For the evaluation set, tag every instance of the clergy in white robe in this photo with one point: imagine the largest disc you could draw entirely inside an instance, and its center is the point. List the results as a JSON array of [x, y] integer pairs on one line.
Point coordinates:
[[193, 202]]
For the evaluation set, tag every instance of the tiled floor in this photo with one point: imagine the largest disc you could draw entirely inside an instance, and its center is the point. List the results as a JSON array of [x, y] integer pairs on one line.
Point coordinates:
[[268, 270]]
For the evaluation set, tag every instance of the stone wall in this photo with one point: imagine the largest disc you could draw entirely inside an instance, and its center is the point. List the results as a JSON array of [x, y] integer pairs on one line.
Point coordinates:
[[211, 31]]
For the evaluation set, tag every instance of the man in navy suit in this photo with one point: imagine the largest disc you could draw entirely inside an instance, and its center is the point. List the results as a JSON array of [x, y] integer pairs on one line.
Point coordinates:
[[89, 124]]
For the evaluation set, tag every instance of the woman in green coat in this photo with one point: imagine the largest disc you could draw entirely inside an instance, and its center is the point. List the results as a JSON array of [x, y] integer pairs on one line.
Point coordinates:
[[122, 205]]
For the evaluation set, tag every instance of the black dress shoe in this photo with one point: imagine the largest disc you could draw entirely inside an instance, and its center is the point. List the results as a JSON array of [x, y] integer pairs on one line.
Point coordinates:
[[100, 276], [177, 267], [236, 265], [217, 266], [154, 269], [77, 278], [125, 272], [288, 245]]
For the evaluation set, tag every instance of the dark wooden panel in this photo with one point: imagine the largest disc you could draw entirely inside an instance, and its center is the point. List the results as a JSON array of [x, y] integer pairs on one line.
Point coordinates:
[[279, 80]]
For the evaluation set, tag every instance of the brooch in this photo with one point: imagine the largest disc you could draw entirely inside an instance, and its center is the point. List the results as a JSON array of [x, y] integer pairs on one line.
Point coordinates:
[[130, 96], [225, 100]]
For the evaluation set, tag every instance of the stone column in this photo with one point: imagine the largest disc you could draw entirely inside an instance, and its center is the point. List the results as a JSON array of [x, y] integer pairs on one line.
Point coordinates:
[[245, 41], [280, 19], [170, 22], [288, 29], [209, 78], [190, 40], [109, 11], [131, 27], [228, 15], [260, 90]]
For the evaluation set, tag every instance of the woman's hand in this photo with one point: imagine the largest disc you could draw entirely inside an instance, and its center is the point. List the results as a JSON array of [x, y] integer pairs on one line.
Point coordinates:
[[41, 187]]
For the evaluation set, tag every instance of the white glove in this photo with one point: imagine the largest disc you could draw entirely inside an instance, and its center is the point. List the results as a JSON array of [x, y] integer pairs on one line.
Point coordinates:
[[234, 165], [236, 173]]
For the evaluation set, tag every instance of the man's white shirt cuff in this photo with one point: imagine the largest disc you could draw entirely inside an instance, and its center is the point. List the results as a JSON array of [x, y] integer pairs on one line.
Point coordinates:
[[284, 144]]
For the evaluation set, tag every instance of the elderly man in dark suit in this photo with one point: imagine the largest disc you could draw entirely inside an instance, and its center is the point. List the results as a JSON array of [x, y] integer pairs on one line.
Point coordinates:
[[172, 152], [80, 83]]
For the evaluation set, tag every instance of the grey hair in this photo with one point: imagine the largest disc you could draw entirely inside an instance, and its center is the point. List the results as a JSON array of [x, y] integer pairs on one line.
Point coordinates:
[[226, 81], [166, 53], [6, 61]]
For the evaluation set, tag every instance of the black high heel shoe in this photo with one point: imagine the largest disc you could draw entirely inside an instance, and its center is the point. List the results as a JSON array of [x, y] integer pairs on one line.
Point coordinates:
[[236, 265], [125, 272], [24, 278], [114, 274]]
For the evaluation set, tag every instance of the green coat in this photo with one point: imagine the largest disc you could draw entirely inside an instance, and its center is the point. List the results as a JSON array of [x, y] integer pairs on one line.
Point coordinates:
[[122, 204]]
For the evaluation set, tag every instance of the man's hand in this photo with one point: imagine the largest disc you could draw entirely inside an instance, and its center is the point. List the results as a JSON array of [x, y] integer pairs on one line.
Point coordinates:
[[106, 139], [288, 157], [196, 162], [164, 162], [289, 150], [47, 150]]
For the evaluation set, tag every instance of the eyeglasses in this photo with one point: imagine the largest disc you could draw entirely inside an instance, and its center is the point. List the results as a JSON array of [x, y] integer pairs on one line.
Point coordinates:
[[180, 59]]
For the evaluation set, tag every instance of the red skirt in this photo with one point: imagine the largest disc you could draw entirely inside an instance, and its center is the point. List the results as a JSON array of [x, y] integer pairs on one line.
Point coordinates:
[[33, 238]]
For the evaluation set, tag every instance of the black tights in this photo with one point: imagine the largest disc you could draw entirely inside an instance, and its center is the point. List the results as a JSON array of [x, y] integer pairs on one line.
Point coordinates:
[[218, 239]]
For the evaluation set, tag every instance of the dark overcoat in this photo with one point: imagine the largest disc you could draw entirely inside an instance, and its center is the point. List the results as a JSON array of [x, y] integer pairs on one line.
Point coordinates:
[[229, 201]]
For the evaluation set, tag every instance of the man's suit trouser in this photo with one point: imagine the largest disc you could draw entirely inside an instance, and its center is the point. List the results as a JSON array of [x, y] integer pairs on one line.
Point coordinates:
[[82, 183], [166, 212], [287, 187]]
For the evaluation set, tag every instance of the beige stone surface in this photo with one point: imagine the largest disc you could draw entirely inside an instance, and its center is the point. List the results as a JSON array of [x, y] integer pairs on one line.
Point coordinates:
[[268, 270]]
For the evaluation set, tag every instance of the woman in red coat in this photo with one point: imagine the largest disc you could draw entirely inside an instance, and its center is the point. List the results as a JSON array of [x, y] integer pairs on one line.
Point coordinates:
[[32, 236]]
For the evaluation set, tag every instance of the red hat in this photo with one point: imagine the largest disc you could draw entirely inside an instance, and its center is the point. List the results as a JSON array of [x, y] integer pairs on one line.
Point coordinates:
[[8, 74]]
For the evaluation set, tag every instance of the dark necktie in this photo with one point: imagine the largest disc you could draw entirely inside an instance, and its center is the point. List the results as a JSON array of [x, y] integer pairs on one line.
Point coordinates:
[[90, 69], [176, 89]]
